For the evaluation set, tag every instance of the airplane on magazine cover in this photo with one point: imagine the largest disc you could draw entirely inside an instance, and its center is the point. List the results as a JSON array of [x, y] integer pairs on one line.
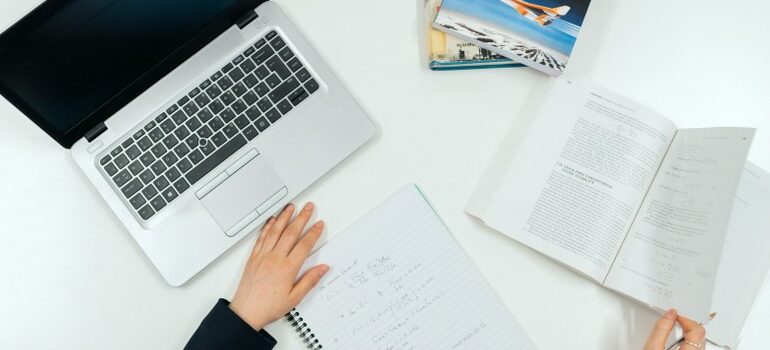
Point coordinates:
[[538, 13]]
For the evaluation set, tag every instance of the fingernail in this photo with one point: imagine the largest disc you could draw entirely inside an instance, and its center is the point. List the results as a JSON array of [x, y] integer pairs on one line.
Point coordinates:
[[319, 224], [671, 314], [324, 269], [309, 206], [289, 206]]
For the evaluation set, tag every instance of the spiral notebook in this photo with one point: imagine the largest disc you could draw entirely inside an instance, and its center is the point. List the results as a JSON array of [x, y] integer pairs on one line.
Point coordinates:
[[399, 280]]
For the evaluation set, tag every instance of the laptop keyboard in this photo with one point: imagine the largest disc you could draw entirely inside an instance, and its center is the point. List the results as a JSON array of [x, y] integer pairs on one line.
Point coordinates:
[[185, 142]]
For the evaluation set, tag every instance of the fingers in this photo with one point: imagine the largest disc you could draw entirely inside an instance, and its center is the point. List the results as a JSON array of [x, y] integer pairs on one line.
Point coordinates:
[[276, 228], [660, 332], [305, 245], [693, 331], [261, 239], [305, 284], [294, 229]]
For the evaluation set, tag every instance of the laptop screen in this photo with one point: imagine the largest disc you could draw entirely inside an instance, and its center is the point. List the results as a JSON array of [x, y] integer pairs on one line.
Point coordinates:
[[69, 60]]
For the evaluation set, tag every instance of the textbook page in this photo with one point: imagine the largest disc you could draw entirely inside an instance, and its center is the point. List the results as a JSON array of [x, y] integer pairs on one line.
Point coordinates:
[[580, 175], [399, 280], [670, 257], [745, 260]]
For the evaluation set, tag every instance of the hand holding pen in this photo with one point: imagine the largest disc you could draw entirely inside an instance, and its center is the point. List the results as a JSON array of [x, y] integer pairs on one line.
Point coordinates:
[[694, 333]]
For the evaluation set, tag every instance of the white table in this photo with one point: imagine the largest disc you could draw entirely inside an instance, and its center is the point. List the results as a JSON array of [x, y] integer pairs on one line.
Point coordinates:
[[72, 278]]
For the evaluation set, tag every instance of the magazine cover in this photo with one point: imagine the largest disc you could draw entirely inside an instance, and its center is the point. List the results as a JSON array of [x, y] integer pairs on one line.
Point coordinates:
[[540, 33], [446, 52]]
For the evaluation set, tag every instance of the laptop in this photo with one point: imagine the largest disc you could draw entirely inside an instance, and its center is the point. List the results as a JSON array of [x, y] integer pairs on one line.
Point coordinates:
[[195, 120]]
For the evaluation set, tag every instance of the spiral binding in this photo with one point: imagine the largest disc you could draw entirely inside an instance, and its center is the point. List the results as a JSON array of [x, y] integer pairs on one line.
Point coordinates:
[[304, 332]]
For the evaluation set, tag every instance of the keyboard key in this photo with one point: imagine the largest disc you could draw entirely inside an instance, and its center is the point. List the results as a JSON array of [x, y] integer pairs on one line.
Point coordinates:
[[311, 86], [158, 150], [192, 124], [264, 104], [215, 159], [230, 130], [262, 72], [158, 203], [217, 106], [127, 143], [271, 34], [241, 122], [111, 169], [284, 89], [138, 134], [158, 167], [135, 168], [137, 201], [303, 75], [204, 115], [236, 74], [286, 54], [216, 124], [179, 117], [146, 212], [250, 98], [227, 115], [194, 92], [131, 188], [169, 194], [205, 85], [276, 65], [122, 177], [133, 152], [261, 124], [172, 109], [121, 161], [249, 51], [225, 83], [190, 109], [105, 159], [144, 143], [147, 176], [262, 55], [227, 98], [250, 80], [278, 43], [261, 89], [181, 185], [239, 89], [192, 141], [184, 165], [205, 132], [273, 81], [149, 126], [250, 132], [181, 150], [253, 113], [181, 132], [183, 101], [295, 64], [218, 139], [167, 126], [170, 141], [238, 107], [260, 43], [273, 115], [172, 174], [149, 191], [207, 148], [227, 67], [160, 117], [156, 134], [195, 156], [248, 66], [213, 91], [202, 100], [160, 183], [170, 158], [216, 76], [284, 106], [147, 159], [298, 96], [237, 60], [116, 151]]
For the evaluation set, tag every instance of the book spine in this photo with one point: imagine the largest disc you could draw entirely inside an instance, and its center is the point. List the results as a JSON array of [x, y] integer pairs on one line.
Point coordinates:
[[304, 332]]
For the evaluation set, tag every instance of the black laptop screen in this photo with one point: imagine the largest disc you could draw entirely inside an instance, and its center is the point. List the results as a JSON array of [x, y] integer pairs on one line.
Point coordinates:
[[74, 57]]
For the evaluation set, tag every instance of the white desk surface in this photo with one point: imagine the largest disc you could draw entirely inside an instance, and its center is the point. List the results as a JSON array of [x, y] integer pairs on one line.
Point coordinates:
[[72, 278]]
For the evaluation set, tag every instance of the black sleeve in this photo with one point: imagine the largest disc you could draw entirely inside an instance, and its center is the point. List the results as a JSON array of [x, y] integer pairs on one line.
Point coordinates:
[[223, 329]]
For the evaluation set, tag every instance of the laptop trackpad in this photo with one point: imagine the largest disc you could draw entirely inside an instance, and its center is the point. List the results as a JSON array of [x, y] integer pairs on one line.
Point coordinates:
[[244, 196]]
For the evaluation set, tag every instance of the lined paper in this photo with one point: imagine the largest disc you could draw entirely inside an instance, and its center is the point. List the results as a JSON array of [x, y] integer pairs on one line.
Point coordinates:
[[399, 280]]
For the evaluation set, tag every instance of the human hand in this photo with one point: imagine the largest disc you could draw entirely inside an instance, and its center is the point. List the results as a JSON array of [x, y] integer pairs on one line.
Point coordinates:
[[694, 333], [269, 288]]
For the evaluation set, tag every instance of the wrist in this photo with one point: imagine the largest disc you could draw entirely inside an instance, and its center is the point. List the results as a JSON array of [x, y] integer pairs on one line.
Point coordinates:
[[254, 321]]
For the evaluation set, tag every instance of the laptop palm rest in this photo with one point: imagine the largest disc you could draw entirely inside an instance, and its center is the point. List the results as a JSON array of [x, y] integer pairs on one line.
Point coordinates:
[[245, 194]]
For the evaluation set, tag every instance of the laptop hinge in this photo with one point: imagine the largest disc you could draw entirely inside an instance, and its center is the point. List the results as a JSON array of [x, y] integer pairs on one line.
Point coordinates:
[[95, 132], [247, 17]]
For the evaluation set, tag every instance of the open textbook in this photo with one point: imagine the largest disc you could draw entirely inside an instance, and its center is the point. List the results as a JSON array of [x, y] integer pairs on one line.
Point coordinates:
[[621, 195]]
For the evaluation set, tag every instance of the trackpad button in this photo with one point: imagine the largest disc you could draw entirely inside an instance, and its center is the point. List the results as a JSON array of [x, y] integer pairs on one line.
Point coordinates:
[[238, 198]]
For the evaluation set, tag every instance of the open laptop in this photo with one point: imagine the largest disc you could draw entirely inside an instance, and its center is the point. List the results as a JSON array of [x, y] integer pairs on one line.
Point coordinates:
[[195, 120]]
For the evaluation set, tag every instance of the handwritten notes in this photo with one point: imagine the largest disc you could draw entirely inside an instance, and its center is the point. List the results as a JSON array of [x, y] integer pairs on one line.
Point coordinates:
[[398, 280]]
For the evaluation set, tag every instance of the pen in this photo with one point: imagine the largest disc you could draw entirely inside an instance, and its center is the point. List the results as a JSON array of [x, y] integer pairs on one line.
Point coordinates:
[[677, 342]]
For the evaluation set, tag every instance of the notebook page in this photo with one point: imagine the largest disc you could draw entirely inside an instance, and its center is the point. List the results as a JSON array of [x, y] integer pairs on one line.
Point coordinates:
[[398, 280]]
